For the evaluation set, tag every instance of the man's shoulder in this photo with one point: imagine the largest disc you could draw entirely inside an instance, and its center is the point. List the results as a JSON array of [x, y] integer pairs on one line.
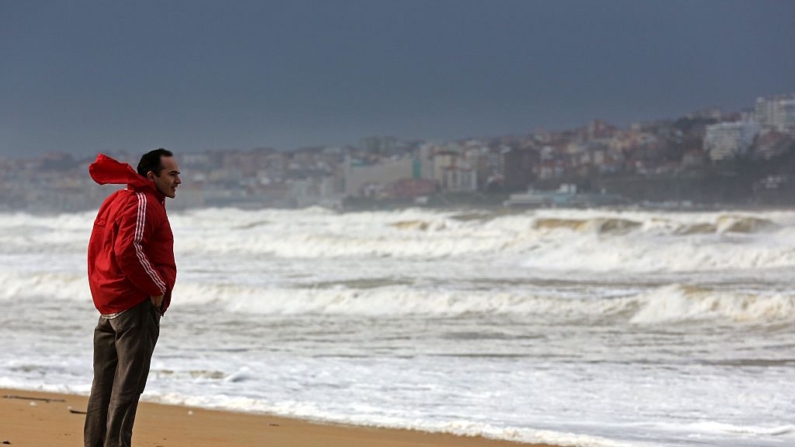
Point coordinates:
[[149, 204], [130, 201], [114, 203]]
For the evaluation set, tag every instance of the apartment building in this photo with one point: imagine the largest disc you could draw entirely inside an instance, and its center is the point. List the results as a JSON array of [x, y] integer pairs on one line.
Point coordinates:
[[725, 141]]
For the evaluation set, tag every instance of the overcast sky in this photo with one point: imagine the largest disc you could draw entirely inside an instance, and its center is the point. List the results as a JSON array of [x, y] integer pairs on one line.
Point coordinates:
[[89, 76]]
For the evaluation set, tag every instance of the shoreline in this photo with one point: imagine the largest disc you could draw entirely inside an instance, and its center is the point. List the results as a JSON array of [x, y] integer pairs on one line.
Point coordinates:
[[35, 418]]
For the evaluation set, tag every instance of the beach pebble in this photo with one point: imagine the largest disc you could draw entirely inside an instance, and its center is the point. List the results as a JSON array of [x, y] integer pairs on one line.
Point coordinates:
[[33, 404], [190, 412]]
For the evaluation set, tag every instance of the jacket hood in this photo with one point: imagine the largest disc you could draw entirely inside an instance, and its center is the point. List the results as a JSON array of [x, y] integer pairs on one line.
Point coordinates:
[[105, 170]]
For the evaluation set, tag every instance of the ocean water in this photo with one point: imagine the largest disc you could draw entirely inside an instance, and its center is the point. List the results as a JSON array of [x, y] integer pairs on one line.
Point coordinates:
[[573, 327]]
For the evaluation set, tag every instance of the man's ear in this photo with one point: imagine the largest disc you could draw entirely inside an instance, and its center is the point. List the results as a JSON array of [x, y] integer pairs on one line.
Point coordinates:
[[150, 175]]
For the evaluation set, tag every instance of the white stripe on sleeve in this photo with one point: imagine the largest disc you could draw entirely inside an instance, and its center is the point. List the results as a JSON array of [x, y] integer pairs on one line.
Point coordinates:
[[139, 251]]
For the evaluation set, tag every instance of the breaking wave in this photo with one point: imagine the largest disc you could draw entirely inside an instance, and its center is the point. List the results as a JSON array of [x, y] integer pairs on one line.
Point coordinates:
[[666, 304], [722, 224], [579, 240]]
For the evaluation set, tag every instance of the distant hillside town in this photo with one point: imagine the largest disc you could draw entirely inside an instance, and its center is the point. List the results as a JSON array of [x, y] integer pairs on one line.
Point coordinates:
[[705, 158]]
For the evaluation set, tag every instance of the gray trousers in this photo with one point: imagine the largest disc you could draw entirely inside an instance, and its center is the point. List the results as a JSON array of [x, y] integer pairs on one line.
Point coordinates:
[[123, 348]]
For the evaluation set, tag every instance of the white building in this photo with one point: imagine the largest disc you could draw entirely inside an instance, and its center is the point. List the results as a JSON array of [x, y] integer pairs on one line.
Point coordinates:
[[777, 112], [453, 172], [725, 141], [359, 175]]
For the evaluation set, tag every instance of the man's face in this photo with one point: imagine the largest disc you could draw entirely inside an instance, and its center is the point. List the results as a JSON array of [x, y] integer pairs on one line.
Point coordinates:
[[168, 180]]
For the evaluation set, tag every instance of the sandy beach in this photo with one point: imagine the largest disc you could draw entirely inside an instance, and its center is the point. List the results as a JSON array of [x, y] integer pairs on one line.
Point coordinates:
[[38, 419]]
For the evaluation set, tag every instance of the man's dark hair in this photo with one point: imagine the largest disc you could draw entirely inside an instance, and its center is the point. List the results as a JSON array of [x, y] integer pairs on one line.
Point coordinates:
[[150, 161]]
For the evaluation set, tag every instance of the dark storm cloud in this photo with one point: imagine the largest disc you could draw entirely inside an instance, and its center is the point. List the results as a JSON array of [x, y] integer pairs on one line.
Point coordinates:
[[88, 76]]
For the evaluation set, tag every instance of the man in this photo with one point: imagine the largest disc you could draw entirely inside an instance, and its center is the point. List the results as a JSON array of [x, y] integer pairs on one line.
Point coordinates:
[[131, 272]]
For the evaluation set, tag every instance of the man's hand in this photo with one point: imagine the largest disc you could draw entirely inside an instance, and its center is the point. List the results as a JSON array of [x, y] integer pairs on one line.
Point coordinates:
[[157, 300]]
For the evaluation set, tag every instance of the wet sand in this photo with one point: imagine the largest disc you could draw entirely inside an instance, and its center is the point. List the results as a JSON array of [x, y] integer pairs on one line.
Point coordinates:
[[33, 421]]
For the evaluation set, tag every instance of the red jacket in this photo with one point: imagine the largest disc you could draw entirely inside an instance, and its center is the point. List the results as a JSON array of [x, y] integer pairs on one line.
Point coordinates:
[[131, 251]]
